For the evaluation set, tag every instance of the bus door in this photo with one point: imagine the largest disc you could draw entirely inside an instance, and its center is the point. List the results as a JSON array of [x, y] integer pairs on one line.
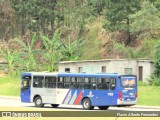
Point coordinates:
[[50, 89], [128, 91], [25, 88]]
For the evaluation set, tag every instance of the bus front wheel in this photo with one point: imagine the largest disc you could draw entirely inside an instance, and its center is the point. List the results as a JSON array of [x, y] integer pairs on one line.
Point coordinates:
[[103, 107], [86, 103], [38, 102]]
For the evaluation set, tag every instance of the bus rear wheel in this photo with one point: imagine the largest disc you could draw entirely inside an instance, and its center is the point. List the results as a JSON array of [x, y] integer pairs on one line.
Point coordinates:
[[38, 102], [86, 103], [103, 107], [54, 105]]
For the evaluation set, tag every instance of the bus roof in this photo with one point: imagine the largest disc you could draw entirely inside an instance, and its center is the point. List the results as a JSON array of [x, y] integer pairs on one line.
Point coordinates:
[[38, 73], [88, 74], [71, 74]]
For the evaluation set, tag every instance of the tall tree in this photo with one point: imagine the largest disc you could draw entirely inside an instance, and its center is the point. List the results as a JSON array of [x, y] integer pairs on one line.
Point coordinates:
[[117, 15], [146, 21]]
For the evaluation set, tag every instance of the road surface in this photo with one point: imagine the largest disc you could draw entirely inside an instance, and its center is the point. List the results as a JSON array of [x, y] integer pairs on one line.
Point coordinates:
[[15, 102]]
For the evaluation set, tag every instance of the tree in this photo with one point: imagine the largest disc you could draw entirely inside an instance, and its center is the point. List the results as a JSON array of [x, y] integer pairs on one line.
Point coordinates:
[[146, 21], [157, 61], [117, 15], [35, 15]]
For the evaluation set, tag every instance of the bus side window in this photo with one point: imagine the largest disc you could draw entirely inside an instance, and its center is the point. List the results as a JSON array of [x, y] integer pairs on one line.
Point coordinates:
[[60, 82], [103, 83], [89, 83], [38, 81], [63, 82], [112, 83], [50, 82]]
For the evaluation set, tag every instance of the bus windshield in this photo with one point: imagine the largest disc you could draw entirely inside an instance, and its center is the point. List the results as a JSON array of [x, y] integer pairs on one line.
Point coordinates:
[[128, 81], [26, 82]]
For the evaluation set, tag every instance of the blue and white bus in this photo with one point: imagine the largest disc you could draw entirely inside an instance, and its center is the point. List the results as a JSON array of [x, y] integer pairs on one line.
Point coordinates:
[[89, 90]]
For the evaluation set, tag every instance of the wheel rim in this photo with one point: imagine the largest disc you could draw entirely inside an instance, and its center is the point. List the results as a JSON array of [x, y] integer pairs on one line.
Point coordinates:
[[38, 101], [86, 104]]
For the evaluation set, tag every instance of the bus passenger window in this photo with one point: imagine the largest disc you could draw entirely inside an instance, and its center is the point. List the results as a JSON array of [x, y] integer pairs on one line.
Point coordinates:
[[76, 83], [112, 83], [63, 82], [37, 81], [89, 83], [50, 82]]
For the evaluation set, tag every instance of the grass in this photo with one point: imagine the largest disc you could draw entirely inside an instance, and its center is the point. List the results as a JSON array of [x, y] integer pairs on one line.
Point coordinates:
[[9, 86], [147, 95]]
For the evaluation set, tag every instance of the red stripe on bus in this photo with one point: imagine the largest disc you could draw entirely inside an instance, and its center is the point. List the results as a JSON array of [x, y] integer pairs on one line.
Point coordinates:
[[78, 98]]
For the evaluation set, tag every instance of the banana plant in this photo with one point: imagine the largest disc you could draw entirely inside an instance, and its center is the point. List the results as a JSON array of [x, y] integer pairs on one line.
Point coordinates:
[[28, 53], [52, 51], [70, 49], [11, 58]]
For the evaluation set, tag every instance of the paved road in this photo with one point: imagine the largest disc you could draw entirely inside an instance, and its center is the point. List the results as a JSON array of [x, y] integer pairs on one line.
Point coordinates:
[[15, 102]]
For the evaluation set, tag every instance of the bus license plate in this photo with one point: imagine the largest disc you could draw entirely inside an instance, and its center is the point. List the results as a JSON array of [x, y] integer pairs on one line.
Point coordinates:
[[128, 99]]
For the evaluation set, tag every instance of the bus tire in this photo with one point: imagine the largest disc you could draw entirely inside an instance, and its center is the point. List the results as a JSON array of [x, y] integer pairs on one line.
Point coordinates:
[[86, 103], [55, 105], [38, 102], [103, 107]]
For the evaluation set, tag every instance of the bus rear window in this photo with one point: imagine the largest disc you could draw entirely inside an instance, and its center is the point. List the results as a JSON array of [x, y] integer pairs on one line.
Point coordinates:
[[127, 81]]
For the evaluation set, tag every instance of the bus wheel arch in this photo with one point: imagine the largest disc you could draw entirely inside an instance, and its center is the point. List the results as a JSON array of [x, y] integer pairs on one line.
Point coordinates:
[[87, 104], [38, 101]]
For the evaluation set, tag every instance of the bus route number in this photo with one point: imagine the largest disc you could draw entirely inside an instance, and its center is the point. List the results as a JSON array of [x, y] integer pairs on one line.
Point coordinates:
[[110, 94]]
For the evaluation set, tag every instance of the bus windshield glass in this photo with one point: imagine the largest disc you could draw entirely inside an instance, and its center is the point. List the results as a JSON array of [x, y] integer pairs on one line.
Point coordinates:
[[26, 82], [128, 81]]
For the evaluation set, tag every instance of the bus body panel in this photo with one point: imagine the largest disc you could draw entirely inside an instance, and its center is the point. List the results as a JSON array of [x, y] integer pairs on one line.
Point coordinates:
[[25, 95]]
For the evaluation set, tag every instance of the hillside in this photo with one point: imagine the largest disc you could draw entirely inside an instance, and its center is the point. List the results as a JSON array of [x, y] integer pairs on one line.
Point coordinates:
[[41, 34]]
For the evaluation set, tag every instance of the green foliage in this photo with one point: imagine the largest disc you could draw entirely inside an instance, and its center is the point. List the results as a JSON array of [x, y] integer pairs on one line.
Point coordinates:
[[157, 62], [147, 49], [11, 58], [28, 53], [71, 50], [52, 52], [124, 51], [155, 78], [118, 13], [141, 83], [146, 21]]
